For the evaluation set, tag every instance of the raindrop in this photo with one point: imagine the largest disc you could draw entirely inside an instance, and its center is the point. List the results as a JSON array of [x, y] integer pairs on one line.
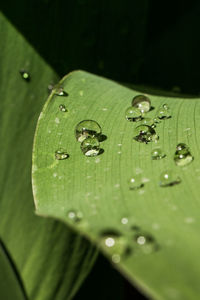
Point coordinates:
[[87, 128], [61, 154], [25, 75], [146, 242], [182, 156], [75, 216], [133, 114], [62, 108], [169, 178], [90, 146], [145, 134], [157, 154], [164, 112], [135, 182], [142, 102]]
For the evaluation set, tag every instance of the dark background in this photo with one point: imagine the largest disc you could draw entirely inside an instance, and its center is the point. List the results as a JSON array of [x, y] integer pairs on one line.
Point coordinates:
[[143, 42]]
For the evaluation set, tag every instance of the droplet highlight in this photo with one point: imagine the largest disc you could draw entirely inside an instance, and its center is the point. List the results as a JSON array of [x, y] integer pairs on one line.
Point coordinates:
[[90, 146], [135, 182], [62, 108], [169, 178], [59, 90], [87, 128], [146, 242], [142, 102], [25, 75], [75, 216]]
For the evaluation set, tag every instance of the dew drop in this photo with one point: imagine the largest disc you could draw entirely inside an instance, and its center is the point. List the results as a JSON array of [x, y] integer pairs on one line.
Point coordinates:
[[146, 242], [169, 178], [145, 134], [133, 114], [61, 154], [87, 128], [62, 108], [135, 182], [182, 156], [25, 75], [75, 216], [90, 146], [164, 112], [157, 154], [142, 102]]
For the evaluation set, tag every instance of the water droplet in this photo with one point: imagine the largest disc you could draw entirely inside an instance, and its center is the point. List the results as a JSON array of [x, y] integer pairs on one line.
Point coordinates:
[[62, 108], [142, 102], [87, 128], [157, 154], [59, 90], [115, 244], [75, 216], [90, 146], [169, 178], [145, 134], [61, 154], [146, 242], [124, 221], [182, 156], [25, 75], [133, 114], [135, 182], [148, 121], [164, 112]]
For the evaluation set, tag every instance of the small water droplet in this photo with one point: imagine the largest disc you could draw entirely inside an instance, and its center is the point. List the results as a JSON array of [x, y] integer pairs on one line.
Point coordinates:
[[133, 114], [145, 134], [124, 221], [61, 154], [182, 156], [148, 121], [25, 75], [62, 108], [87, 128], [146, 242], [90, 146], [142, 102], [169, 178], [59, 90], [157, 154], [75, 216], [164, 112], [135, 182]]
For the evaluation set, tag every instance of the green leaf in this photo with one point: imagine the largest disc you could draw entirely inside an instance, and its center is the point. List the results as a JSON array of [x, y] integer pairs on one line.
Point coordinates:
[[10, 286], [41, 248], [98, 186]]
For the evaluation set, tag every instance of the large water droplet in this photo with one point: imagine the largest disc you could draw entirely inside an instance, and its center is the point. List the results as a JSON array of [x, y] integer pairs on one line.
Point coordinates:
[[169, 178], [182, 156], [142, 102], [75, 216], [133, 114], [135, 182], [87, 128], [146, 242], [157, 154], [25, 75], [62, 108], [164, 112], [115, 244], [61, 154], [90, 146], [145, 134]]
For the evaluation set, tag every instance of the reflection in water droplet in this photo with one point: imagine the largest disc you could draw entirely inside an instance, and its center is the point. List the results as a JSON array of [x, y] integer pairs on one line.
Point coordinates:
[[75, 216], [142, 102], [182, 156], [90, 146], [146, 242], [25, 75], [133, 114], [169, 178], [145, 134], [157, 154], [62, 108], [115, 244], [135, 182], [164, 112], [87, 128], [61, 154]]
